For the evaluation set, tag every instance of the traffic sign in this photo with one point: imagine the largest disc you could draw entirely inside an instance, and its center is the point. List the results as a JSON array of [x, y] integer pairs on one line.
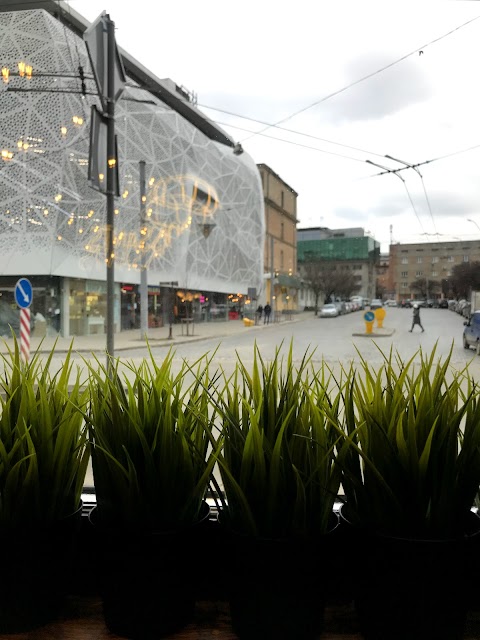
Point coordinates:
[[369, 316], [23, 293]]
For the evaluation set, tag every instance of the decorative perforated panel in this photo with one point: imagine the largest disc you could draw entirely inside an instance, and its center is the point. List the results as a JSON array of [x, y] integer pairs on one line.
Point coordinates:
[[204, 219]]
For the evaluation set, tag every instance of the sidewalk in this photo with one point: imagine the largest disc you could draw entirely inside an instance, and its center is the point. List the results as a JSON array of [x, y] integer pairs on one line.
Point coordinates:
[[157, 337]]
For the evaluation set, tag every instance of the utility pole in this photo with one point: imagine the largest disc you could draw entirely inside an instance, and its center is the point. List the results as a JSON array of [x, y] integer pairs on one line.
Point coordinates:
[[111, 186], [143, 267], [110, 79]]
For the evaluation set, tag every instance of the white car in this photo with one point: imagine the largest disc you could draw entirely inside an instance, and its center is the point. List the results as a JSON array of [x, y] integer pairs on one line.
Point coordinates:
[[329, 311]]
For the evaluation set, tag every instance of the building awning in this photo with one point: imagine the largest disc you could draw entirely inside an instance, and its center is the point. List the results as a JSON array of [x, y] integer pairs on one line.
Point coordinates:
[[289, 281]]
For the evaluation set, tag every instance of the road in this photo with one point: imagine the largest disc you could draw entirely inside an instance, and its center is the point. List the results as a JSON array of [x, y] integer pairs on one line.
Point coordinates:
[[332, 341]]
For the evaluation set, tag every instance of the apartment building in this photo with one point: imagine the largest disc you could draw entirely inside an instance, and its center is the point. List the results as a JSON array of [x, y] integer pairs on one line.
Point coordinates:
[[433, 261]]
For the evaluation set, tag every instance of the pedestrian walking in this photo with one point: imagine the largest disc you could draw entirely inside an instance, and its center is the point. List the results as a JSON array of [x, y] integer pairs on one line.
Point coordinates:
[[416, 318], [267, 310], [259, 313]]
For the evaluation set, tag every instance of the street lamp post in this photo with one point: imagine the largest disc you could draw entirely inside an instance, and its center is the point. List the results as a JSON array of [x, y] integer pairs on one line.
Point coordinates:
[[473, 222]]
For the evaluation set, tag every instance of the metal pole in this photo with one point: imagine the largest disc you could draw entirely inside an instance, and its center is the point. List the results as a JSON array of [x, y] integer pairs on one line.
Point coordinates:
[[111, 187], [271, 273], [143, 269]]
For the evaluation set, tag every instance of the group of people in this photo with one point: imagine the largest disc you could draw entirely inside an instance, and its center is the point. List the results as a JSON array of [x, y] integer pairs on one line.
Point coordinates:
[[266, 311]]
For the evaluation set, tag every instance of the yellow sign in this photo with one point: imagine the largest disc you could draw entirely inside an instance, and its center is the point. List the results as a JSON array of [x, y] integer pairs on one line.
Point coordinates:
[[368, 327]]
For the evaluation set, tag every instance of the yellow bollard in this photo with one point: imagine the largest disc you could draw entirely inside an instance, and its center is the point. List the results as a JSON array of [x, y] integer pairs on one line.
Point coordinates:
[[368, 327], [369, 318], [380, 314], [248, 323]]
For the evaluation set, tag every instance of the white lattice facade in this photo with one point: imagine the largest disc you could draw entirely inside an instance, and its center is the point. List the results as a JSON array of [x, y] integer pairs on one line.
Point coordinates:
[[204, 204]]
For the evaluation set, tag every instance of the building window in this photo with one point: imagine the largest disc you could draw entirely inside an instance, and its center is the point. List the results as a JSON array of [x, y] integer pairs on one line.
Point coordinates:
[[434, 259], [419, 274], [404, 260], [451, 259], [282, 198], [404, 285], [466, 258], [404, 274], [282, 231], [434, 273], [419, 259], [404, 250], [281, 260]]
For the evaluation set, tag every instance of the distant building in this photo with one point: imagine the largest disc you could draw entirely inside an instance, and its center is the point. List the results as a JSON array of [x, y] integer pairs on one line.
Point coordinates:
[[348, 249], [280, 266], [433, 261]]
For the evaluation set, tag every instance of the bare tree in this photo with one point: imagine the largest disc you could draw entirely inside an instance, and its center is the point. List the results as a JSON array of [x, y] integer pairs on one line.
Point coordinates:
[[465, 278], [425, 286], [325, 278]]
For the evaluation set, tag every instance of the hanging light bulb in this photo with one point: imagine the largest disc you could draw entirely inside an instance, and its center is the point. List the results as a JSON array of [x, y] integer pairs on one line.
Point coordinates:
[[21, 69], [5, 74]]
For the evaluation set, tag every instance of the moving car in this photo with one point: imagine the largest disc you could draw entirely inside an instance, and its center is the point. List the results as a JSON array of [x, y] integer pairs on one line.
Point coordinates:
[[471, 332], [329, 311]]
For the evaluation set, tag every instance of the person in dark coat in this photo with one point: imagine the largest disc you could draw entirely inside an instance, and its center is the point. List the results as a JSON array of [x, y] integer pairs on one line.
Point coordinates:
[[416, 318], [267, 310], [259, 312]]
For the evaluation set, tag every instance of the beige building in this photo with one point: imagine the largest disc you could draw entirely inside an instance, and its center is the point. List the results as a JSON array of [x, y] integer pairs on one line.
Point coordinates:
[[433, 261], [280, 266]]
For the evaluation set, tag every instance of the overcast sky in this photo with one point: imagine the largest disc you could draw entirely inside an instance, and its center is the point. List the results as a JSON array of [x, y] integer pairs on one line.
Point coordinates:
[[269, 59]]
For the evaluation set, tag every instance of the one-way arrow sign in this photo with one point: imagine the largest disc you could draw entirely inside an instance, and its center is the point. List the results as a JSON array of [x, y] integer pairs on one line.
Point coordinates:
[[23, 293]]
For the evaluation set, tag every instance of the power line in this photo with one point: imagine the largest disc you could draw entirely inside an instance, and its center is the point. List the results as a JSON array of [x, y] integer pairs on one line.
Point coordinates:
[[299, 133], [296, 144], [363, 78]]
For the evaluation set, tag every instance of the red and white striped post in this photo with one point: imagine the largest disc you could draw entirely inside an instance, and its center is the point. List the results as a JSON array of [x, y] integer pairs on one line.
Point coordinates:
[[25, 334]]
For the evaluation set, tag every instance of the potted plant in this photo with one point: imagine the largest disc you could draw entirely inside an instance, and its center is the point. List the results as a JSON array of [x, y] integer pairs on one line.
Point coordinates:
[[152, 459], [411, 470], [43, 460], [280, 482]]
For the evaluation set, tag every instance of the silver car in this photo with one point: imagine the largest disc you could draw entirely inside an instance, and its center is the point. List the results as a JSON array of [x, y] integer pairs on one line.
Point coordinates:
[[329, 311]]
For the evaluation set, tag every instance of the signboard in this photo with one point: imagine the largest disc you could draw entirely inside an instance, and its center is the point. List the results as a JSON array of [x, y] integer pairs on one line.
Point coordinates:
[[369, 316], [96, 41], [23, 293]]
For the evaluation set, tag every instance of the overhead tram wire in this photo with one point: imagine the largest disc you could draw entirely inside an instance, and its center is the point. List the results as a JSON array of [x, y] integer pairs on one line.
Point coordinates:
[[296, 144], [395, 172], [274, 126], [363, 78], [410, 166]]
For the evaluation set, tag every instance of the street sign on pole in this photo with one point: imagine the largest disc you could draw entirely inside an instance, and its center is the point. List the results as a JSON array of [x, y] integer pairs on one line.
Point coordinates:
[[96, 40], [23, 298], [23, 293], [110, 79]]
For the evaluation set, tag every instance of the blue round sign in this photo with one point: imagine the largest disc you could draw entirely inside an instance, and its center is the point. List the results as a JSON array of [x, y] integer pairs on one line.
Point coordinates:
[[369, 316], [23, 293]]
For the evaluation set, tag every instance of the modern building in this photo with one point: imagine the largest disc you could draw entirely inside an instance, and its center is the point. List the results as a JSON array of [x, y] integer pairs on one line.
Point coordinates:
[[433, 261], [280, 263], [345, 249], [203, 223]]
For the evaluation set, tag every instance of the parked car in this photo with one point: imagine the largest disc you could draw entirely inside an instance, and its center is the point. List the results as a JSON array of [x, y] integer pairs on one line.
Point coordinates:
[[376, 303], [329, 311], [443, 303], [471, 332], [390, 303]]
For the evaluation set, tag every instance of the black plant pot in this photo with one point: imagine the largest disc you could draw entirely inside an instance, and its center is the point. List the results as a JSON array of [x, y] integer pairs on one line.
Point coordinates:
[[147, 580], [277, 588], [37, 568], [409, 589]]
